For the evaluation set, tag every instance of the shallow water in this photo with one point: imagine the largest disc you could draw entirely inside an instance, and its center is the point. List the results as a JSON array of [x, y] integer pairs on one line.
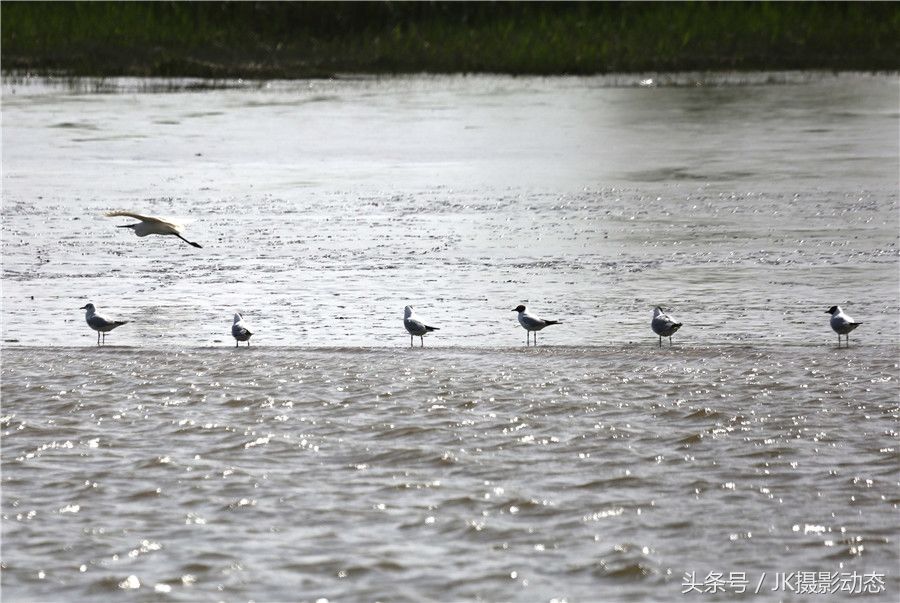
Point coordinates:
[[469, 474], [329, 460], [325, 207]]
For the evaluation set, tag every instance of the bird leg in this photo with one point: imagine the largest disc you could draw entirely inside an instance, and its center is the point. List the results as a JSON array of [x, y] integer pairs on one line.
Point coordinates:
[[98, 338], [421, 341], [188, 242]]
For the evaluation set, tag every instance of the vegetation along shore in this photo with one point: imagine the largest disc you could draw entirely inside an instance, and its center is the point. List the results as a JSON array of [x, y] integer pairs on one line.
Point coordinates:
[[319, 39]]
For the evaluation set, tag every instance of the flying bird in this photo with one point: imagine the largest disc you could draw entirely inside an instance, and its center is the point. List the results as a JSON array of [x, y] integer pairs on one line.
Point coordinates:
[[149, 225], [101, 324], [415, 326], [841, 323], [531, 323], [663, 325], [239, 330]]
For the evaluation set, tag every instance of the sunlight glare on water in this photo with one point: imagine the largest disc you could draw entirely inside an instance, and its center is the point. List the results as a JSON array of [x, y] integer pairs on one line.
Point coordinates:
[[328, 461], [459, 474]]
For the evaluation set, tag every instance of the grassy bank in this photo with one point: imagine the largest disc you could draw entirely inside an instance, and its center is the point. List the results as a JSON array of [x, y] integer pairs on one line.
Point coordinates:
[[303, 39]]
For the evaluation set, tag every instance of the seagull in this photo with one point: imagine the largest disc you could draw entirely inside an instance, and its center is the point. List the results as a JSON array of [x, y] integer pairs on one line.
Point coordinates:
[[239, 330], [100, 323], [149, 225], [841, 323], [415, 326], [530, 323], [663, 325]]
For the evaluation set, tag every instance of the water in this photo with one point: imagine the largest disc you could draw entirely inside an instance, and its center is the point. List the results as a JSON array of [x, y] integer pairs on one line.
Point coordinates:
[[368, 474], [329, 460], [325, 207]]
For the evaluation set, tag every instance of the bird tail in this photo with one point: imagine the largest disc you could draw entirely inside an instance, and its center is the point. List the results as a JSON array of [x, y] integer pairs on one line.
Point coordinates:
[[430, 329], [119, 323], [551, 322]]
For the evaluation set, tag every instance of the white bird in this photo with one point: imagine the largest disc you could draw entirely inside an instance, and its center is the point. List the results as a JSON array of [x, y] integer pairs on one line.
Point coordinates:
[[532, 323], [841, 323], [415, 326], [663, 325], [240, 330], [99, 323], [149, 225]]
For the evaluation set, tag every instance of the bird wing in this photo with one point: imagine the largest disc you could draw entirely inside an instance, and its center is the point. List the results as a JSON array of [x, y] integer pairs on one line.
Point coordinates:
[[663, 324], [97, 322], [148, 219], [839, 320], [530, 321], [414, 326], [665, 319]]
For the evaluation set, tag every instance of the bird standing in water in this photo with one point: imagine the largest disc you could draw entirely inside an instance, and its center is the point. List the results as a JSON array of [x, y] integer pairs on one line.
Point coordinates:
[[663, 325], [239, 330], [415, 326], [101, 324], [841, 323], [532, 323]]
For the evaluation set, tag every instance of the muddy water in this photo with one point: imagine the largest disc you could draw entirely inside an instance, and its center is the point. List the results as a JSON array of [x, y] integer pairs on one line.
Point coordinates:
[[325, 207], [328, 460]]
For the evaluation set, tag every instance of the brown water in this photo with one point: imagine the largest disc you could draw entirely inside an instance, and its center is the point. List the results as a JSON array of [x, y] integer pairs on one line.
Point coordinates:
[[330, 461]]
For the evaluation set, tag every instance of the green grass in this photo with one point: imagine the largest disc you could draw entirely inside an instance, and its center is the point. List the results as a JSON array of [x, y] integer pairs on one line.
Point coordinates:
[[309, 39]]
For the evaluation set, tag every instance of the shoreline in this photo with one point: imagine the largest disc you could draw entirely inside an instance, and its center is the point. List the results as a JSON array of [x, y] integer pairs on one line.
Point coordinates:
[[48, 83]]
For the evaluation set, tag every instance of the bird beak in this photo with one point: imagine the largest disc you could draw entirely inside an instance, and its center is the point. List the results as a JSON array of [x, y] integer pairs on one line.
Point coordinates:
[[83, 308]]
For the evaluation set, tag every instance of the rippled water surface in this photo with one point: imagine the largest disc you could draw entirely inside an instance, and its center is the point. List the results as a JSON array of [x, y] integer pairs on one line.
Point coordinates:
[[329, 460], [351, 474]]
